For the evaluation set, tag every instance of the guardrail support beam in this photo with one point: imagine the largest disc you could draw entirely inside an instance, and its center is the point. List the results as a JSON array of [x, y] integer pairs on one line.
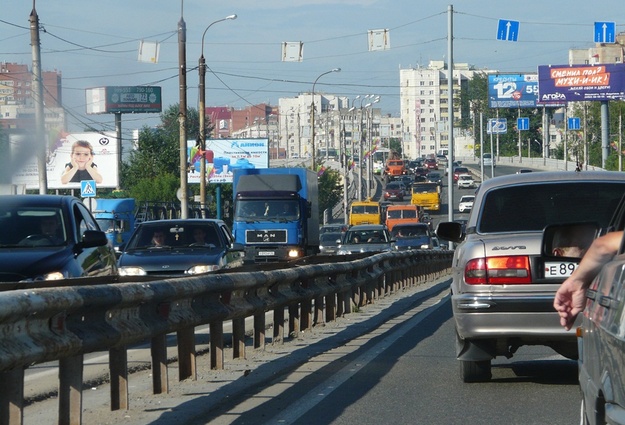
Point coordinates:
[[118, 369], [186, 354], [158, 349], [70, 390], [12, 397]]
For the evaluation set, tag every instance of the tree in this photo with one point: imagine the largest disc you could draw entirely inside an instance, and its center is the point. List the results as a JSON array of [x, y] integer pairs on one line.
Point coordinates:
[[153, 171], [330, 190]]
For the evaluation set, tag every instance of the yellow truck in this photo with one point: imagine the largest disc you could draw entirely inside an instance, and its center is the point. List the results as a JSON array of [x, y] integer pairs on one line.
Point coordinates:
[[426, 196], [364, 212]]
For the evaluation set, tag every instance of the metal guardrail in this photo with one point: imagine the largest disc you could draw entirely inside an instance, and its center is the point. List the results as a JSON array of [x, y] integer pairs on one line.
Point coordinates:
[[65, 323]]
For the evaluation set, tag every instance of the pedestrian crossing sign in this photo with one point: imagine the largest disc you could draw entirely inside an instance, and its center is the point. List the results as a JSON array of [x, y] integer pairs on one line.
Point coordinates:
[[87, 188]]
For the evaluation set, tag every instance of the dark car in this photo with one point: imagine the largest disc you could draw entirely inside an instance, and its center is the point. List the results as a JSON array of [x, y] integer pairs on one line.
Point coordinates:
[[333, 228], [50, 237], [329, 242], [434, 178], [179, 247], [411, 236], [365, 238]]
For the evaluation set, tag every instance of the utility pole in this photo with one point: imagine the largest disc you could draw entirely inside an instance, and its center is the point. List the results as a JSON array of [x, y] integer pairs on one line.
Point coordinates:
[[40, 142], [182, 115]]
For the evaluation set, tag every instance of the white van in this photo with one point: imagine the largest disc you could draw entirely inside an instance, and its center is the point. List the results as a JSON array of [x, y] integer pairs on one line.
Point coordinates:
[[488, 159]]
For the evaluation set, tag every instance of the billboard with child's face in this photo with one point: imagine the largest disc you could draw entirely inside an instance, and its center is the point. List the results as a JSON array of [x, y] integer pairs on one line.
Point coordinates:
[[227, 155], [71, 158]]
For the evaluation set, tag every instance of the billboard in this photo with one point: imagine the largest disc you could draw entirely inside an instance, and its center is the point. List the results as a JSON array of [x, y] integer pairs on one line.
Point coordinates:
[[566, 83], [227, 154], [512, 90], [124, 99], [71, 158]]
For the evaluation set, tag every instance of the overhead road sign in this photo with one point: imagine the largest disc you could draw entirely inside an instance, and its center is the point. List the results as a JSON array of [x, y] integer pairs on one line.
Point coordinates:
[[523, 124], [574, 123], [605, 32], [567, 83], [507, 30], [512, 90], [497, 126]]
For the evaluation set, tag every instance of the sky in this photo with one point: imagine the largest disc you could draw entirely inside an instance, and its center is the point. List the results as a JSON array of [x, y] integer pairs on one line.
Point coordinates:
[[95, 44]]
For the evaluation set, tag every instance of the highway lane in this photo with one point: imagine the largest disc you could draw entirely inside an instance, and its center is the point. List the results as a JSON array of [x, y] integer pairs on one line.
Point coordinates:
[[405, 372]]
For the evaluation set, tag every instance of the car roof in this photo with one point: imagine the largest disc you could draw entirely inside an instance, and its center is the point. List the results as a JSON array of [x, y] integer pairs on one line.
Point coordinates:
[[181, 221], [37, 200], [551, 177], [359, 227]]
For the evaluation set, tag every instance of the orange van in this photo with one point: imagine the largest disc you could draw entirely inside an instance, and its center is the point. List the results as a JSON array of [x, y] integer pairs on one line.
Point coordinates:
[[396, 214]]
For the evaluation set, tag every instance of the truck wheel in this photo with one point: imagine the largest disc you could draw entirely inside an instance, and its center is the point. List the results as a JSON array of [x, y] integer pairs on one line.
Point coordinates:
[[475, 371]]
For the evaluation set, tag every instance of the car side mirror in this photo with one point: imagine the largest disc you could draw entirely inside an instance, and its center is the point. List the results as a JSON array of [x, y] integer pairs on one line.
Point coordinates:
[[568, 240], [450, 231], [93, 238]]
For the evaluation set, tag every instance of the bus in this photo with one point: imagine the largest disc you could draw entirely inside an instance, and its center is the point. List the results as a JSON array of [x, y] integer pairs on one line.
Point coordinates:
[[331, 154], [380, 156]]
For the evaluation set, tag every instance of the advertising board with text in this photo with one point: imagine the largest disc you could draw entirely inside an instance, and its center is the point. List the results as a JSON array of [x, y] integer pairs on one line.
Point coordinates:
[[512, 90], [572, 83], [227, 155], [72, 157]]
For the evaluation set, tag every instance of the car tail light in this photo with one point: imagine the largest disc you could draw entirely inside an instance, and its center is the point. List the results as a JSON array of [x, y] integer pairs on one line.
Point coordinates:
[[498, 271]]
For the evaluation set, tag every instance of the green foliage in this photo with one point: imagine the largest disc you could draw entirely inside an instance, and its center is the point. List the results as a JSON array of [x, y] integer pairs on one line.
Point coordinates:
[[161, 188], [330, 190], [153, 171], [395, 146]]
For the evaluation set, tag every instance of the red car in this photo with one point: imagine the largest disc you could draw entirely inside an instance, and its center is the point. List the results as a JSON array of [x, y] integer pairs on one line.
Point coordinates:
[[431, 164], [394, 191], [460, 170]]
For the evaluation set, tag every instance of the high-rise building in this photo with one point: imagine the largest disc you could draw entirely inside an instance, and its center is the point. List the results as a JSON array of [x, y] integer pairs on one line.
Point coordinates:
[[17, 108]]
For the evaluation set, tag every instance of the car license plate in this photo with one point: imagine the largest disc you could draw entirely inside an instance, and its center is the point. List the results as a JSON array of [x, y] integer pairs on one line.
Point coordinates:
[[266, 253], [557, 269]]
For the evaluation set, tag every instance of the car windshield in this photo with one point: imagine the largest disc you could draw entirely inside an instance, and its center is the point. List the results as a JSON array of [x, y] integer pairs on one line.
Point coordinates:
[[531, 207], [167, 235], [365, 236], [31, 226], [400, 232], [270, 210]]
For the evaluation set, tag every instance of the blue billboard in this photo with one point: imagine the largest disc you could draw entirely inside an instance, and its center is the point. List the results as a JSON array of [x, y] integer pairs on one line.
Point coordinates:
[[566, 83], [512, 90]]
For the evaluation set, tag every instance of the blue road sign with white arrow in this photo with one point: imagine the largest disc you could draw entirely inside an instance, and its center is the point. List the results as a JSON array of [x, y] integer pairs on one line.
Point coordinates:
[[507, 30], [523, 124], [574, 124], [605, 32]]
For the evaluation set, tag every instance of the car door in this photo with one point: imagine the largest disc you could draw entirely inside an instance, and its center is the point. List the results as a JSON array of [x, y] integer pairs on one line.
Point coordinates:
[[94, 261], [233, 257]]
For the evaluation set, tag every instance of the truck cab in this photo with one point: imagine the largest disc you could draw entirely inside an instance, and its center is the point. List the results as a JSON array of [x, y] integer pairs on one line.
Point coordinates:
[[364, 212]]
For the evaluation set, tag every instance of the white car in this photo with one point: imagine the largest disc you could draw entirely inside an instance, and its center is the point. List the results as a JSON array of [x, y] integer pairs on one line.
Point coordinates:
[[465, 181], [466, 203]]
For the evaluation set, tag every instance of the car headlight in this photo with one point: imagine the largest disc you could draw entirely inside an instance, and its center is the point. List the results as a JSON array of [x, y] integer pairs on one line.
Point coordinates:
[[132, 271], [342, 252], [203, 268]]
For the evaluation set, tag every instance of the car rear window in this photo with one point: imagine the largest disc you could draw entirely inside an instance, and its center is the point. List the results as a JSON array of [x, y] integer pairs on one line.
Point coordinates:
[[531, 207]]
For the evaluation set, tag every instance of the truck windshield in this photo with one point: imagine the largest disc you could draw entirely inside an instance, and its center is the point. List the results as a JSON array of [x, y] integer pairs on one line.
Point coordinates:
[[261, 210]]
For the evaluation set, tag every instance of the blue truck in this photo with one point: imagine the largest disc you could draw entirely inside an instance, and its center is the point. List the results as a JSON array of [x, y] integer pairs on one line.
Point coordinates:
[[116, 218], [276, 213]]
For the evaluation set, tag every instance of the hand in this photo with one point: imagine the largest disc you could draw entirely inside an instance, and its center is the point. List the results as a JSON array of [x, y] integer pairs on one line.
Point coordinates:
[[569, 301]]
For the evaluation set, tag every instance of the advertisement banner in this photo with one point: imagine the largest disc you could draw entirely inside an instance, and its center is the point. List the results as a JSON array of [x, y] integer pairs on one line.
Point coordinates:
[[225, 155], [71, 158], [566, 83], [512, 90]]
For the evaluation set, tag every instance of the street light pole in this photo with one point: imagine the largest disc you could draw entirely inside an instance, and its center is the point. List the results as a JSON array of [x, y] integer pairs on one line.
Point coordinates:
[[182, 113], [312, 113], [202, 119]]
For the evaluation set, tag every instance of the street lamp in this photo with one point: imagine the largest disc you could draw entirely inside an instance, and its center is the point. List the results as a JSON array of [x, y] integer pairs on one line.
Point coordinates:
[[312, 113], [202, 117]]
